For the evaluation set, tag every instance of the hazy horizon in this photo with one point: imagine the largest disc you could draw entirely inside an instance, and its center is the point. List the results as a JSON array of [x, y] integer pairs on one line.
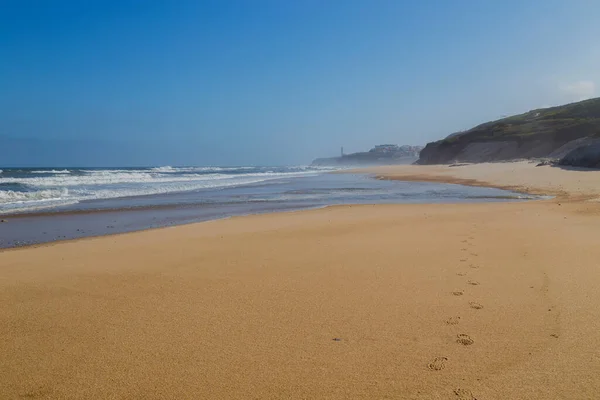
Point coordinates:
[[109, 84]]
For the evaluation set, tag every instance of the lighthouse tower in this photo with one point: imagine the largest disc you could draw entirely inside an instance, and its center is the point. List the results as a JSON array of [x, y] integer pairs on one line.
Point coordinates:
[[342, 151]]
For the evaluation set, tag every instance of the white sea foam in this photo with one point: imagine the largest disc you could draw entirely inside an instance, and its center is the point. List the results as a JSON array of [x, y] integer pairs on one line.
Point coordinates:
[[11, 201], [107, 177], [53, 171], [166, 169], [60, 187], [11, 196]]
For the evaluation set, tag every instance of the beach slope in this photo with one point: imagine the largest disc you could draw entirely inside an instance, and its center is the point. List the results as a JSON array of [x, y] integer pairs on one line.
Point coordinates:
[[447, 301]]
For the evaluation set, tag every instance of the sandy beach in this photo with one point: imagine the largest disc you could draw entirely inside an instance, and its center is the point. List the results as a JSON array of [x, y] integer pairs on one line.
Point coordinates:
[[448, 301], [523, 176]]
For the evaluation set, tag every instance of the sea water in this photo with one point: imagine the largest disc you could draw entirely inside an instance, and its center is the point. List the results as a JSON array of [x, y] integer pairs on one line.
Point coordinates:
[[42, 205]]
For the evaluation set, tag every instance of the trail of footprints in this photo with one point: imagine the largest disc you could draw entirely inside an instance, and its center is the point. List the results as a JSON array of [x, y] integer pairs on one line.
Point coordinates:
[[463, 339]]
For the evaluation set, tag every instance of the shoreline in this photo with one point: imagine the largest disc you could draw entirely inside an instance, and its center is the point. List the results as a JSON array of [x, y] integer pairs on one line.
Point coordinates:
[[448, 179], [420, 301], [520, 176], [55, 226], [159, 228]]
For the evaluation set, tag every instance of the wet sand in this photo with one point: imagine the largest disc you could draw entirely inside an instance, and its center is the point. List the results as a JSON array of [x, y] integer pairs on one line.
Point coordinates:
[[121, 215], [447, 301], [524, 176]]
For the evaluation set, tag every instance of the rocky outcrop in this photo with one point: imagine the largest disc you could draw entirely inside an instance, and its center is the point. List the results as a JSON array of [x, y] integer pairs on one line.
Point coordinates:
[[570, 146], [585, 156]]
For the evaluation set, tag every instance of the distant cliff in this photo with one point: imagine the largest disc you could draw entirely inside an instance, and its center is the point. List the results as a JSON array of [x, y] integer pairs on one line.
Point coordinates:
[[544, 133], [379, 155]]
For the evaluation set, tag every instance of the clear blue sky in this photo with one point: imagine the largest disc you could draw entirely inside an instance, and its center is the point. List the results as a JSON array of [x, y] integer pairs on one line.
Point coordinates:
[[276, 82]]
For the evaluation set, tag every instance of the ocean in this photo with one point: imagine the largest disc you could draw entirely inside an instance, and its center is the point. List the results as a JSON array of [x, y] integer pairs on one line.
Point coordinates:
[[47, 204], [28, 189]]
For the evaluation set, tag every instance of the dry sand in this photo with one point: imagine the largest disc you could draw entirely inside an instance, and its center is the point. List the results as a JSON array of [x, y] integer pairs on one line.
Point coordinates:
[[484, 301]]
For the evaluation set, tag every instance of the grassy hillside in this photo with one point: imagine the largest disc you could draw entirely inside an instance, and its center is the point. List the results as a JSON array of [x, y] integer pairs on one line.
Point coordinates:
[[533, 133]]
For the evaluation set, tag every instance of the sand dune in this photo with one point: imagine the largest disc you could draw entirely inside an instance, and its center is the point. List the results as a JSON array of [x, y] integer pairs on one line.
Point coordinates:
[[467, 301]]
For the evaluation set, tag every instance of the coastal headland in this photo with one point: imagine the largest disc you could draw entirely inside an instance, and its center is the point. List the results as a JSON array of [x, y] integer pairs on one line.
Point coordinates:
[[424, 301]]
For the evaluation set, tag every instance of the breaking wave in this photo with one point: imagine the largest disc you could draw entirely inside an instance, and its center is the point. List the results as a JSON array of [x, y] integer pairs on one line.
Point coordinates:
[[25, 189]]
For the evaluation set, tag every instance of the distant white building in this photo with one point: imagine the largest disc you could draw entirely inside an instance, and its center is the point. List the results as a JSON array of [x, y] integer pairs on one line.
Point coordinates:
[[385, 148]]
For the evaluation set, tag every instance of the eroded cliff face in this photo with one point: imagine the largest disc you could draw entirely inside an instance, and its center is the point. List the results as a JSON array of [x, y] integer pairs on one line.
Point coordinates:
[[586, 155], [475, 152], [582, 152]]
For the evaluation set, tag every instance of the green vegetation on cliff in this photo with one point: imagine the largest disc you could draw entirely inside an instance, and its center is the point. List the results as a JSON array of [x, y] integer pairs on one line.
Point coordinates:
[[537, 133]]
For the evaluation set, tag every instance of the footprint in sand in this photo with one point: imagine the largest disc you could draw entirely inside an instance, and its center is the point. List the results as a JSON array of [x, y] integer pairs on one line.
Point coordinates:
[[458, 293], [474, 266], [473, 283], [475, 305], [464, 339], [464, 394], [463, 260], [474, 254], [464, 249], [453, 321], [38, 393], [461, 273], [437, 364]]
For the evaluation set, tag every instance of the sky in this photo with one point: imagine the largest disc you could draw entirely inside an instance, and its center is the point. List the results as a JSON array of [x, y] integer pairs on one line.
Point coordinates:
[[258, 82]]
